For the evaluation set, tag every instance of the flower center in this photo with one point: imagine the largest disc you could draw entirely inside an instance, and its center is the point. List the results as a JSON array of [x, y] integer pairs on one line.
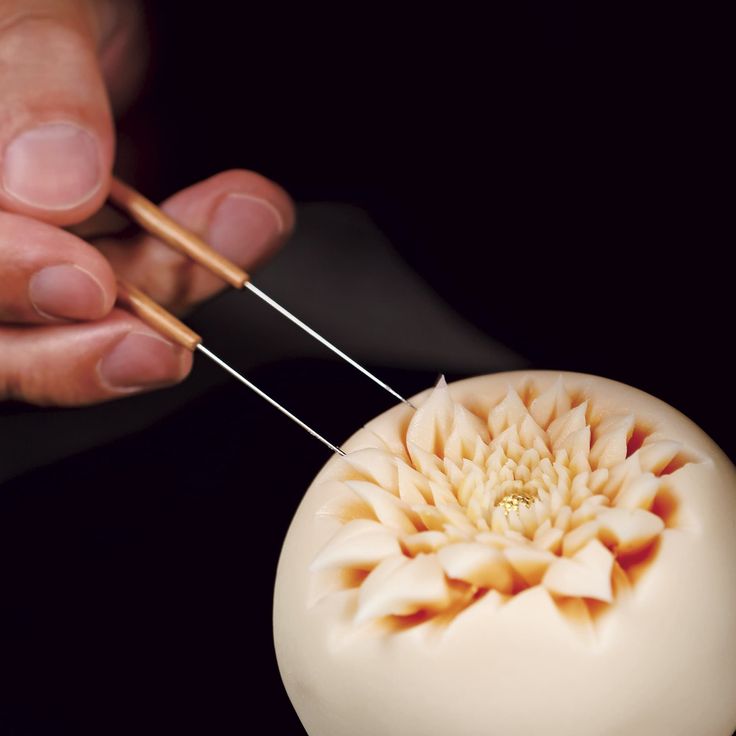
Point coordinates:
[[512, 501]]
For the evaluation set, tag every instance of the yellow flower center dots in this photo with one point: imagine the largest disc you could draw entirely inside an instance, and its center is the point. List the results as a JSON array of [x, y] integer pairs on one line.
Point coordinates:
[[512, 501]]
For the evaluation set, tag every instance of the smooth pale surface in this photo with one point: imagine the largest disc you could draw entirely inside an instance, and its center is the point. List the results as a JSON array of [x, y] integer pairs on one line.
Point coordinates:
[[661, 662]]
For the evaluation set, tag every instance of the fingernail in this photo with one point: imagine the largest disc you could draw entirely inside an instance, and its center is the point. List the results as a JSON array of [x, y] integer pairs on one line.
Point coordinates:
[[55, 166], [242, 226], [141, 361], [66, 291]]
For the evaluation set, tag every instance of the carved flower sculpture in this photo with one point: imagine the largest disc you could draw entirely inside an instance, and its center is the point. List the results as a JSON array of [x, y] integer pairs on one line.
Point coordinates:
[[539, 490], [518, 538]]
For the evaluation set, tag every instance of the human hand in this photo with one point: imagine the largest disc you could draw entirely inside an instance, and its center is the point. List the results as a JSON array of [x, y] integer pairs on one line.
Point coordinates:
[[65, 64]]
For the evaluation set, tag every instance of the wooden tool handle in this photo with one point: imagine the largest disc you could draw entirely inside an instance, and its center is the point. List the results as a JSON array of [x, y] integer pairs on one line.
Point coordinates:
[[158, 223], [154, 315]]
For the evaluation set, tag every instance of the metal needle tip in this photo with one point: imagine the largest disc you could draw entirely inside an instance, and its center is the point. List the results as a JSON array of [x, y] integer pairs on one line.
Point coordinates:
[[286, 313], [265, 396]]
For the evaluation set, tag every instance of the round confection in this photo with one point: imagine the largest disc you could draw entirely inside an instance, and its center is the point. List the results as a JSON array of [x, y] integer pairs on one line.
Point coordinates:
[[526, 553]]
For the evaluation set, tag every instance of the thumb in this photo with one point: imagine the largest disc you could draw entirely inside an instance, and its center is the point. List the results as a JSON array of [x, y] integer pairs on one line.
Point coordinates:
[[56, 133]]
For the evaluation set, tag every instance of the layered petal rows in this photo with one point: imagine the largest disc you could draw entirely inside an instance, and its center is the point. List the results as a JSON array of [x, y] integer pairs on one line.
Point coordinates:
[[542, 491]]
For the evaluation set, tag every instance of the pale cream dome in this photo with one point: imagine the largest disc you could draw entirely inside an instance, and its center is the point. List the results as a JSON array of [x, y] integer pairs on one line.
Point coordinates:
[[526, 553]]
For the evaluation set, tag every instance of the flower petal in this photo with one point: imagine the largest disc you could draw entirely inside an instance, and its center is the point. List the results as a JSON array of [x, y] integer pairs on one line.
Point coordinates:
[[400, 586], [552, 403], [586, 575], [628, 530], [413, 486], [568, 423], [388, 509], [656, 456], [529, 562], [638, 493], [508, 413], [375, 465], [575, 540], [429, 541], [431, 424], [612, 435], [360, 545], [476, 564]]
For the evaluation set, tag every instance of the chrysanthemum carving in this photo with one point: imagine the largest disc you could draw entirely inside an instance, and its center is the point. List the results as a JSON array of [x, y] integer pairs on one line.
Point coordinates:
[[542, 490]]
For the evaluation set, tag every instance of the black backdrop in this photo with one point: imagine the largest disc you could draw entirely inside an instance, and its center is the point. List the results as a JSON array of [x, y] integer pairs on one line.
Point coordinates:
[[546, 188], [546, 174]]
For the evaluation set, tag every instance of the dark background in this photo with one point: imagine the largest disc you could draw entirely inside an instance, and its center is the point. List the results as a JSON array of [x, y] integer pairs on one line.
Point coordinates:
[[543, 172], [544, 186]]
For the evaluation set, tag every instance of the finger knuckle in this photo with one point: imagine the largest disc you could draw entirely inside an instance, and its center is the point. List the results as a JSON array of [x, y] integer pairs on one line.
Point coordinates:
[[31, 45]]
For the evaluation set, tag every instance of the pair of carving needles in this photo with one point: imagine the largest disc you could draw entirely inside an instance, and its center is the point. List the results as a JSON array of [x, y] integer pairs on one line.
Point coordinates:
[[152, 219]]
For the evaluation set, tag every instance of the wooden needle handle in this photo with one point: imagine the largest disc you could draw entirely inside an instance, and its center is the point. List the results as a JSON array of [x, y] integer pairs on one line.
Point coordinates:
[[154, 315], [158, 223]]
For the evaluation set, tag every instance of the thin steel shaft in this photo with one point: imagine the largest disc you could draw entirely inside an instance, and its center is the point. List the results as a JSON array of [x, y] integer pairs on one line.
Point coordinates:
[[324, 341], [158, 223], [265, 396]]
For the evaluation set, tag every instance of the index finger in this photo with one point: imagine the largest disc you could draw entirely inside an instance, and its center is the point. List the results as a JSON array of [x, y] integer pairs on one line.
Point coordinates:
[[56, 131]]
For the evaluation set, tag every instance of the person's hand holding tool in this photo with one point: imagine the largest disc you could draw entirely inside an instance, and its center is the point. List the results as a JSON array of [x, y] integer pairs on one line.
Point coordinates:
[[64, 66]]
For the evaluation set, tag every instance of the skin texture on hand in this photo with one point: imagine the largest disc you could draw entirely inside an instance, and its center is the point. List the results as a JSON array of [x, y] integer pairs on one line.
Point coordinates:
[[67, 64]]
